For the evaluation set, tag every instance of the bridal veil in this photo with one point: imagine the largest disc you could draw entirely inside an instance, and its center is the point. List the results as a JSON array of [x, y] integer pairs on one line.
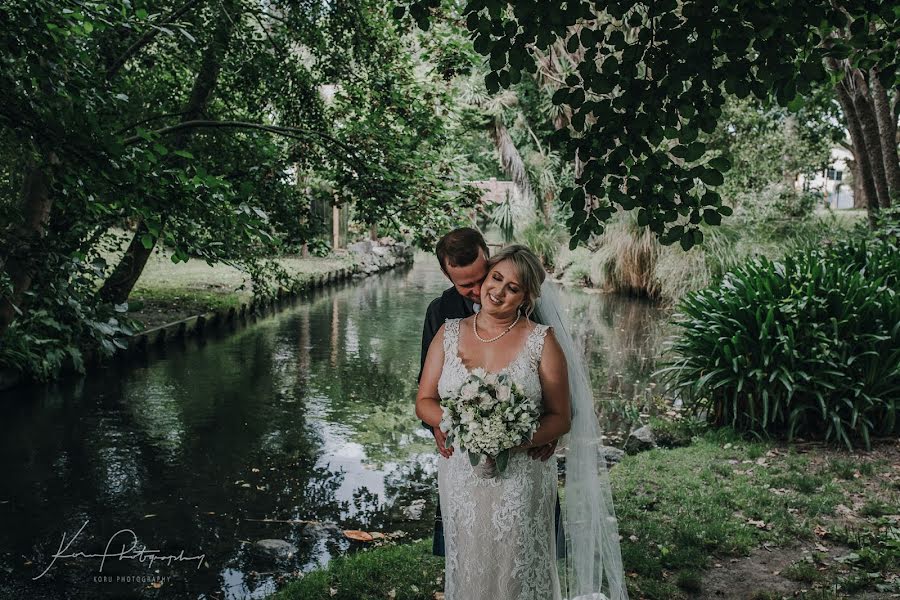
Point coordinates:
[[592, 569]]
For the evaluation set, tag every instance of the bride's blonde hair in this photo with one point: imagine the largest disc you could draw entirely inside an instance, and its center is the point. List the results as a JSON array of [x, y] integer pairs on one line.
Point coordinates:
[[528, 267]]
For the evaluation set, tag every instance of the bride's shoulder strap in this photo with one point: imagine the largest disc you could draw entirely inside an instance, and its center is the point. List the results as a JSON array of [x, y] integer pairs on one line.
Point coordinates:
[[535, 342], [451, 334]]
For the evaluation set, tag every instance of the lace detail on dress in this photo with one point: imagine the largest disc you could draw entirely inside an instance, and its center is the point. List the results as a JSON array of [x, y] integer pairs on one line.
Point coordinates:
[[499, 532]]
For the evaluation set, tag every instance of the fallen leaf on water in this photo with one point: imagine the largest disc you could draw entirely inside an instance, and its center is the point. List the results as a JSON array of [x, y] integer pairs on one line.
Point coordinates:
[[358, 536]]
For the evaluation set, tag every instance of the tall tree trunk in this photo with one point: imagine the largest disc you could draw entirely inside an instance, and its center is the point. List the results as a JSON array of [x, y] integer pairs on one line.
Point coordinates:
[[865, 111], [887, 130], [788, 173], [860, 153], [20, 256], [118, 286], [859, 194]]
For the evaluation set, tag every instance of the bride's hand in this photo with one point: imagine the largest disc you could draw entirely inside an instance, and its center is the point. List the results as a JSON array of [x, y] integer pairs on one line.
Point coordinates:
[[543, 452], [440, 438]]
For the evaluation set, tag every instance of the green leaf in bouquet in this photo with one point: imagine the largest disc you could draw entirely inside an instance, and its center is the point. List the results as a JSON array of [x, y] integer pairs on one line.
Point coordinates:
[[502, 460], [474, 458]]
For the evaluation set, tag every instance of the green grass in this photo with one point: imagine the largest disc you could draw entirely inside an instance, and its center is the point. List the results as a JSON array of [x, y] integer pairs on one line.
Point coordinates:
[[167, 292], [409, 572], [195, 275], [803, 571], [679, 511]]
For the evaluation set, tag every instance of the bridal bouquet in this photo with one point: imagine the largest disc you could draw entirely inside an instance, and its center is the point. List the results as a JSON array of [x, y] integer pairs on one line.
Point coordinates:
[[487, 416]]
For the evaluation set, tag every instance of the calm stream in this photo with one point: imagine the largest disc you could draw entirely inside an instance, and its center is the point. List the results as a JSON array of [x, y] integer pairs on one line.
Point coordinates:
[[295, 428]]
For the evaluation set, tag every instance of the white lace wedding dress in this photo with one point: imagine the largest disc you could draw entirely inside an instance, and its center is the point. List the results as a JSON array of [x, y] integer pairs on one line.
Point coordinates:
[[499, 532]]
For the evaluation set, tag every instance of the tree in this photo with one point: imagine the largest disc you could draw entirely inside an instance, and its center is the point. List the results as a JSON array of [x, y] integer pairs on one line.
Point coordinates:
[[652, 75], [188, 122]]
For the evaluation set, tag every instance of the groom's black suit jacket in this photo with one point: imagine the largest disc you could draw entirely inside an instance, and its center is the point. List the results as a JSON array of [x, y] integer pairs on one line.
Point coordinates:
[[449, 305], [452, 305]]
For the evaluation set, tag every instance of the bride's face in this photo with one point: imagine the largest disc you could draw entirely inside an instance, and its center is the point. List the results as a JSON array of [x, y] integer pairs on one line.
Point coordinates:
[[501, 292]]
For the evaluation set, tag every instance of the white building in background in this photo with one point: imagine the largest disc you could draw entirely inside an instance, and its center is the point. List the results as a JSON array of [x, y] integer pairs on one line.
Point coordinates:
[[835, 184]]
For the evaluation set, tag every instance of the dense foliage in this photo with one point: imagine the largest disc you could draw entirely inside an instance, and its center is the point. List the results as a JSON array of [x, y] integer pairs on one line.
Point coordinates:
[[204, 128], [649, 77], [808, 346]]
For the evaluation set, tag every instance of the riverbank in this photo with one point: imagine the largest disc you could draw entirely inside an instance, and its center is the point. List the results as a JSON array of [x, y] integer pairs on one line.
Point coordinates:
[[627, 259], [168, 292], [721, 518], [189, 299]]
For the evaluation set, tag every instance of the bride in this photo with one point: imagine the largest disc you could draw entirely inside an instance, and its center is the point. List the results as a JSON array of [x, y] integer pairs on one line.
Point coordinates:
[[499, 529]]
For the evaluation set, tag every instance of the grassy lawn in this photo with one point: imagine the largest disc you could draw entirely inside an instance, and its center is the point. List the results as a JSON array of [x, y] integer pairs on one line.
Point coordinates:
[[407, 572], [759, 520], [167, 292]]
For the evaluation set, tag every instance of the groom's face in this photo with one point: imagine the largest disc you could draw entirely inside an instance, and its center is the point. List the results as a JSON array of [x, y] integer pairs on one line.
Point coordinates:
[[467, 280]]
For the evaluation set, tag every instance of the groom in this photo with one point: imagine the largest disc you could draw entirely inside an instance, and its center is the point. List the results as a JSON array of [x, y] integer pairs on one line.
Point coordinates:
[[463, 256]]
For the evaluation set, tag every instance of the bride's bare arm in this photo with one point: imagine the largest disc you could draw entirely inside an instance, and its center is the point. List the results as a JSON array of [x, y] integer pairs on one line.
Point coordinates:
[[428, 404], [554, 376]]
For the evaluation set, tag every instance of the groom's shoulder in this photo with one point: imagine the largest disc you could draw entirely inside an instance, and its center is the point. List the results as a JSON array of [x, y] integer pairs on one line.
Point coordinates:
[[450, 295], [446, 305]]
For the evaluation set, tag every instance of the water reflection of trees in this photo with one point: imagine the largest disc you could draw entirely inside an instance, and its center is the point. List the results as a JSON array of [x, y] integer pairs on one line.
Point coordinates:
[[623, 339], [240, 430], [199, 445], [367, 371]]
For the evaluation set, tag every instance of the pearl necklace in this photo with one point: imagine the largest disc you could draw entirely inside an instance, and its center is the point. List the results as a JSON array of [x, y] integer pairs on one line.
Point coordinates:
[[493, 339]]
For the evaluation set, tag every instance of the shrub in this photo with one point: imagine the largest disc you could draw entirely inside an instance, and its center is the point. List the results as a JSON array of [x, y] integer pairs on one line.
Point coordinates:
[[807, 346], [625, 259], [544, 240], [64, 327]]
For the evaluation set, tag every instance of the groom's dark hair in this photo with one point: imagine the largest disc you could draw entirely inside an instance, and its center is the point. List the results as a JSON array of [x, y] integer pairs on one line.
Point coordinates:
[[460, 248]]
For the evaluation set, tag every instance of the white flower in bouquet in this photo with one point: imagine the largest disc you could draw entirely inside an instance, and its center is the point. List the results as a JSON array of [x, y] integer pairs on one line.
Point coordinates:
[[468, 391], [489, 415]]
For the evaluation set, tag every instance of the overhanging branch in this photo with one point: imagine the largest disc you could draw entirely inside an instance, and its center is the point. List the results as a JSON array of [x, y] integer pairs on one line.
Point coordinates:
[[290, 132], [147, 38]]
